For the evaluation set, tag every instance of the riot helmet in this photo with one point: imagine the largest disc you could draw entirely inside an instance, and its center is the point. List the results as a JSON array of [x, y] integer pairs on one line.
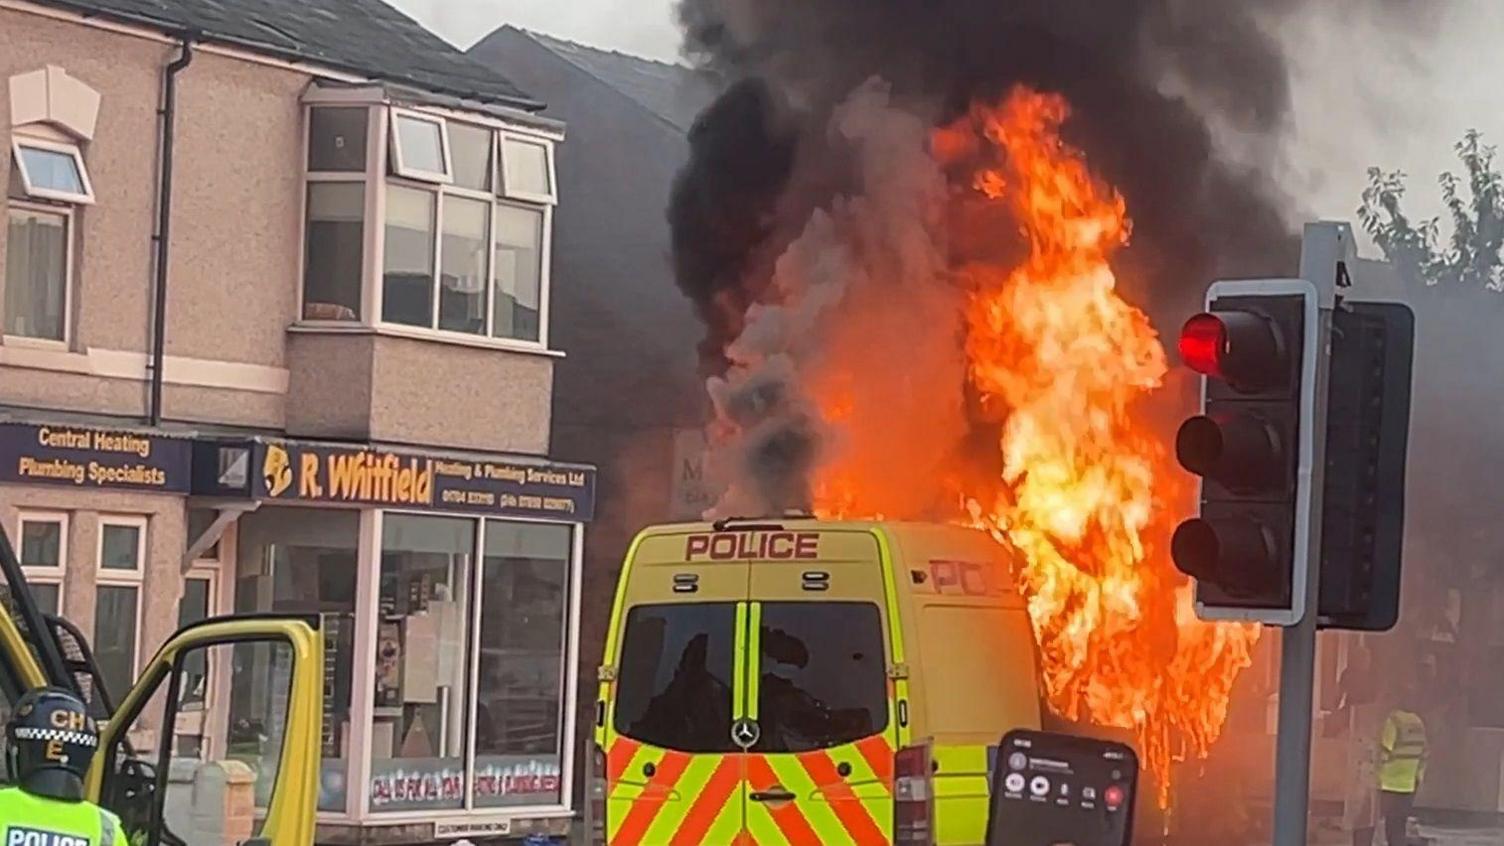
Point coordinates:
[[50, 742]]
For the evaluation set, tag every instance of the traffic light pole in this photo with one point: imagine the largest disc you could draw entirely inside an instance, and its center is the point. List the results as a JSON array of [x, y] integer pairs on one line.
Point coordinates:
[[1323, 247]]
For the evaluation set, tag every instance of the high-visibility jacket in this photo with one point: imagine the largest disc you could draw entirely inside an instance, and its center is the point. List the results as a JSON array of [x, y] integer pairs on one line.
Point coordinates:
[[27, 820], [1402, 752]]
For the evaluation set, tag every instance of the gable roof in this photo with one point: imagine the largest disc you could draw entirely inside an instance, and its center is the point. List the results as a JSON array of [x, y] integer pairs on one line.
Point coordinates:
[[365, 37], [675, 93]]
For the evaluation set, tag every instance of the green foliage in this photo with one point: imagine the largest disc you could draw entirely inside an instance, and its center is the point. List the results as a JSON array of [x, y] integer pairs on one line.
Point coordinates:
[[1471, 256]]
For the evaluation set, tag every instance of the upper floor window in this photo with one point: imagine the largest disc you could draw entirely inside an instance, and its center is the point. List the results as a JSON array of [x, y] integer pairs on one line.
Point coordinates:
[[48, 180], [464, 213], [51, 114]]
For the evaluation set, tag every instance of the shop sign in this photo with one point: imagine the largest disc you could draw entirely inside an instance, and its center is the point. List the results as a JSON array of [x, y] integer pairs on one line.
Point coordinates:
[[86, 457], [433, 784], [336, 474]]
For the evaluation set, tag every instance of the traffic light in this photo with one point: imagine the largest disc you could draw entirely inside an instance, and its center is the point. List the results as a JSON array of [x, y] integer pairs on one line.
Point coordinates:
[[1256, 346], [1363, 500]]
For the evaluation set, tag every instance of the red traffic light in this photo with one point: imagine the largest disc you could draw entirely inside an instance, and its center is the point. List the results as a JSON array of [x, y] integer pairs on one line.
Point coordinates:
[[1202, 342], [1241, 348]]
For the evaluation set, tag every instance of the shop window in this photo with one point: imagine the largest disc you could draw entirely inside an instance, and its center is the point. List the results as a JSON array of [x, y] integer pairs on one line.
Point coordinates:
[[117, 601], [519, 699], [418, 737], [463, 233], [298, 561], [38, 259], [51, 171]]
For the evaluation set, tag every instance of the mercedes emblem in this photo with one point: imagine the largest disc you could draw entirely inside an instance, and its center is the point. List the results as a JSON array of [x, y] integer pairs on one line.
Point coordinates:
[[744, 733]]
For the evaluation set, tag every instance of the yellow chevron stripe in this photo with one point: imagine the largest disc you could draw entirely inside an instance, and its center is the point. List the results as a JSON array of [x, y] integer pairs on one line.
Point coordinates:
[[632, 785], [792, 775], [728, 824], [677, 808]]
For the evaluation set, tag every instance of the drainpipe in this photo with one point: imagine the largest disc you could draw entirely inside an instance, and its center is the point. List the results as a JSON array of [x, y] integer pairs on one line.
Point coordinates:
[[168, 112]]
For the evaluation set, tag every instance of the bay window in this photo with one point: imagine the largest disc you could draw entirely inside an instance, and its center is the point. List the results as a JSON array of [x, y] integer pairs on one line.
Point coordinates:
[[458, 212]]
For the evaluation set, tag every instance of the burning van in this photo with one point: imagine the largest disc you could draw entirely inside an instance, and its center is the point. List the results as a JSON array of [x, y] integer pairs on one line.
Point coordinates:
[[810, 683]]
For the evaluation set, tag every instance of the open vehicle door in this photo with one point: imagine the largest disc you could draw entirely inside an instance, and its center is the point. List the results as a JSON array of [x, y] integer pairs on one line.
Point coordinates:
[[263, 745], [250, 776]]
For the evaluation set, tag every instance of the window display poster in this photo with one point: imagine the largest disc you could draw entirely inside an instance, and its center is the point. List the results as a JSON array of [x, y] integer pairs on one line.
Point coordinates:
[[513, 780], [439, 783]]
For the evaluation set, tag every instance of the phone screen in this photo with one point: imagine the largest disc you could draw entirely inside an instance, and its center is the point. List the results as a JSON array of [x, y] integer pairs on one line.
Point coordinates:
[[1061, 790]]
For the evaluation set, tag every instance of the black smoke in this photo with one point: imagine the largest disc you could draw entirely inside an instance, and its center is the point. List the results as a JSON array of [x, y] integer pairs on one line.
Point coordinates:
[[1148, 80]]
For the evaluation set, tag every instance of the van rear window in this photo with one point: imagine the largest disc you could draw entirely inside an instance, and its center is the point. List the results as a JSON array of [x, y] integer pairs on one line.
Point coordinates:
[[822, 675], [675, 676]]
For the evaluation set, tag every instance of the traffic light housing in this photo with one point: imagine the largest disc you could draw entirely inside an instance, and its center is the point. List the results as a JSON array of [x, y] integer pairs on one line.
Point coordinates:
[[1257, 348], [1363, 501]]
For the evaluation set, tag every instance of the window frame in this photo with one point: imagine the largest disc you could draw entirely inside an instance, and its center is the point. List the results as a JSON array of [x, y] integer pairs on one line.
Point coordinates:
[[45, 575], [377, 120], [109, 577], [69, 215], [84, 199], [504, 185], [401, 168]]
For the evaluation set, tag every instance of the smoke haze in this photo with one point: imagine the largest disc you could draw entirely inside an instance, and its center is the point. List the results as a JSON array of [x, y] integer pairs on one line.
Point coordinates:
[[1152, 84]]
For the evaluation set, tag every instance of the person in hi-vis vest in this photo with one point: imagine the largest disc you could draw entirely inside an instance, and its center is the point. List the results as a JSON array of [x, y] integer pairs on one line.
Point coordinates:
[[50, 741], [1402, 767]]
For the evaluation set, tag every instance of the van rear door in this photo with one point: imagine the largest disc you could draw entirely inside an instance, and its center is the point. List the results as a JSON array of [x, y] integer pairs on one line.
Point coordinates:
[[672, 689], [819, 637]]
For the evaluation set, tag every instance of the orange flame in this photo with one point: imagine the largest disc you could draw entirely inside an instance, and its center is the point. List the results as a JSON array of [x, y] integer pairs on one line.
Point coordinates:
[[1087, 492]]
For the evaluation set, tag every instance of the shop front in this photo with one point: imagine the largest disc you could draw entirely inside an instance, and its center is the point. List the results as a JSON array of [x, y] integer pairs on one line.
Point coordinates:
[[448, 586]]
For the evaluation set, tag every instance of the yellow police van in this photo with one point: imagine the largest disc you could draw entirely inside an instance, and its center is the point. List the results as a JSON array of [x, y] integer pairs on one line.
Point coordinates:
[[802, 682]]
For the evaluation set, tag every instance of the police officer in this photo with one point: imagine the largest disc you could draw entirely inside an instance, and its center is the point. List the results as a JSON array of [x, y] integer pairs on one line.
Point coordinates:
[[1402, 767], [50, 741]]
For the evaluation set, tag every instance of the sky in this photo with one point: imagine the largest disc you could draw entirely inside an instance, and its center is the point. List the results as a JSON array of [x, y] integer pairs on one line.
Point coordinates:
[[640, 27], [1361, 97]]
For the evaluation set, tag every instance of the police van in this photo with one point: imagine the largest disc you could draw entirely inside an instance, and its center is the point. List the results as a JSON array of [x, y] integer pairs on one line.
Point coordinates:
[[809, 682]]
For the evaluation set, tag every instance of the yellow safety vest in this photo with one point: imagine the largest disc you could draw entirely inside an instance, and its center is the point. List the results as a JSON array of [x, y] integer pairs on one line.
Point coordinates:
[[1402, 752], [27, 820]]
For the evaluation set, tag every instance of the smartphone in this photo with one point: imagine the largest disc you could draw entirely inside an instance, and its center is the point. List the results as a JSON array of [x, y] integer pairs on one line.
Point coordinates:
[[1062, 790]]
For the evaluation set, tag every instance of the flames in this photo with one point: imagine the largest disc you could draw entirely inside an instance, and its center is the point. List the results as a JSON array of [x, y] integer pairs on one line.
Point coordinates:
[[1062, 364]]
